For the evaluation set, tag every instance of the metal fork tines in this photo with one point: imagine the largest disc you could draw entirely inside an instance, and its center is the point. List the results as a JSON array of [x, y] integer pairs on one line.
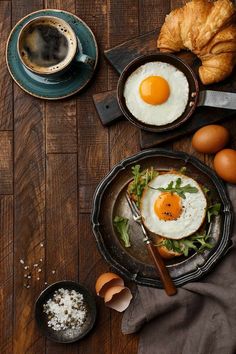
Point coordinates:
[[137, 216]]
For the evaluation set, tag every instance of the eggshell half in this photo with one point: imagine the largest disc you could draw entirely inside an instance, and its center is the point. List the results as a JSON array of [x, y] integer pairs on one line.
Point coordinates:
[[118, 298], [107, 280]]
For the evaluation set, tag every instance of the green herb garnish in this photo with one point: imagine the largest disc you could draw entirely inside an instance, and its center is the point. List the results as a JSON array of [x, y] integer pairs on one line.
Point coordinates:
[[198, 242], [122, 226], [213, 210], [178, 189], [141, 179], [205, 191]]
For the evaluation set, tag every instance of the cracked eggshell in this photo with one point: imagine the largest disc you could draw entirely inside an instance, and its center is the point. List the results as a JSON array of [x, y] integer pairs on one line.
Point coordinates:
[[118, 298], [107, 280]]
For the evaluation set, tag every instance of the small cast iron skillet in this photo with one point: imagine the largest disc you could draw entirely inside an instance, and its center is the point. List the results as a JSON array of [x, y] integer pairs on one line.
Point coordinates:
[[111, 105], [165, 58]]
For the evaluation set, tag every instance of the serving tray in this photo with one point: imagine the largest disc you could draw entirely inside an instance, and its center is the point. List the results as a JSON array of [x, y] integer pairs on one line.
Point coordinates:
[[134, 262], [123, 54]]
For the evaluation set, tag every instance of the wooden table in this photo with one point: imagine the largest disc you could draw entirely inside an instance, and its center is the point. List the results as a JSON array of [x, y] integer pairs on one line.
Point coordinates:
[[52, 155]]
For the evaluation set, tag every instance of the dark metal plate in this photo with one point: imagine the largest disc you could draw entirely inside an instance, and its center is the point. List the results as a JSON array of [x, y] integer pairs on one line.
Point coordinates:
[[134, 262]]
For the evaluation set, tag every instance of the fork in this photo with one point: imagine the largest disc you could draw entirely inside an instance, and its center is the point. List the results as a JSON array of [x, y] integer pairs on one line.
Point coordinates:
[[153, 251]]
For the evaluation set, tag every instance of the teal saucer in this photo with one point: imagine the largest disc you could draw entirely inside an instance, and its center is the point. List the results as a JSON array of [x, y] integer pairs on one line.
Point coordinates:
[[73, 81]]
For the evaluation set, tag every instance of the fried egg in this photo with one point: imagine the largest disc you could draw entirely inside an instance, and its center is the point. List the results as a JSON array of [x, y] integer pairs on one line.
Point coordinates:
[[169, 214], [156, 93]]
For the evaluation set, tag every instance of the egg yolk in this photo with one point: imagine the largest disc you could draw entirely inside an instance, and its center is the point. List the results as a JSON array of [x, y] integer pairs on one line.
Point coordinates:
[[154, 90], [168, 206]]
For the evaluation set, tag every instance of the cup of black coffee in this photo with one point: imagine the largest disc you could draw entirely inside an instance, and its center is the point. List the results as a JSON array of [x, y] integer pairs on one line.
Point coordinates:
[[48, 45]]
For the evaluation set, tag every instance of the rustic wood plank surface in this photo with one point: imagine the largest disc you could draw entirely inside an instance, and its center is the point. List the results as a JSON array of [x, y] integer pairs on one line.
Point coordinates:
[[52, 156]]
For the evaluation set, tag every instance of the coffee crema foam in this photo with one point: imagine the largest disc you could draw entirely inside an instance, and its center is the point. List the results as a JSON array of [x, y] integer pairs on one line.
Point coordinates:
[[47, 46]]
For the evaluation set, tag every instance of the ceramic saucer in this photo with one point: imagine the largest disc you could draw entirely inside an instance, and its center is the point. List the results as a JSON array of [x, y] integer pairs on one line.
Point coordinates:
[[73, 81]]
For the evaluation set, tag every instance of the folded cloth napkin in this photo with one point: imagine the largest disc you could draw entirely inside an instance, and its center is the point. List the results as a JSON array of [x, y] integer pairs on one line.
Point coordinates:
[[200, 319]]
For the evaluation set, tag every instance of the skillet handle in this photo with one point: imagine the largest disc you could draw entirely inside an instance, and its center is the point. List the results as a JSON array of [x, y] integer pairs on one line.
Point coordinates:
[[217, 99], [107, 107]]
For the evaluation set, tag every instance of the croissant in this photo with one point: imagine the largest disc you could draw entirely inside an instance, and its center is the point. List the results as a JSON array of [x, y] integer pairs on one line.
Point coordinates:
[[207, 29]]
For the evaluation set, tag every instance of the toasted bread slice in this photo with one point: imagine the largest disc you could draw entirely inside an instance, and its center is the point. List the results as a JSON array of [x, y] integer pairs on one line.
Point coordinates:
[[164, 252]]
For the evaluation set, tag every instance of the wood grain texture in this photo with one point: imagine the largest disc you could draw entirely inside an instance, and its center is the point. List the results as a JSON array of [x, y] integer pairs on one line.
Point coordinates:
[[6, 162], [61, 126], [93, 149], [124, 139], [6, 274], [61, 130], [93, 164], [29, 181], [29, 217], [123, 136], [91, 265], [152, 14], [6, 113], [61, 226]]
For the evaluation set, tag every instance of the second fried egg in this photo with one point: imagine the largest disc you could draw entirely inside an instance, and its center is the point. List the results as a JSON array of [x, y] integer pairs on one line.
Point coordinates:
[[156, 93], [169, 214]]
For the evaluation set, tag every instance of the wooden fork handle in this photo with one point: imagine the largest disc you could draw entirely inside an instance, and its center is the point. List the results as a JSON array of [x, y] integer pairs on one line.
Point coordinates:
[[162, 270]]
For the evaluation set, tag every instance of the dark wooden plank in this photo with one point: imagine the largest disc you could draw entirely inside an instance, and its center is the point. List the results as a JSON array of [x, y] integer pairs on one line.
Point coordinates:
[[61, 192], [61, 132], [6, 116], [68, 5], [6, 274], [29, 217], [124, 138], [93, 164], [152, 14], [61, 226], [6, 162], [120, 55], [93, 157], [91, 265], [22, 8], [29, 179], [61, 126]]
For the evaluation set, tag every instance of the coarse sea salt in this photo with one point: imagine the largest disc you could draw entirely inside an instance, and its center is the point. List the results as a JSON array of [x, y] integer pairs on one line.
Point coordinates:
[[66, 310]]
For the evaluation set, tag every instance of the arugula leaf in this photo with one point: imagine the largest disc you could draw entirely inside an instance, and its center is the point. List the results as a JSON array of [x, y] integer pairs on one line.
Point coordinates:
[[198, 242], [181, 191], [141, 179], [213, 210], [205, 190], [122, 226]]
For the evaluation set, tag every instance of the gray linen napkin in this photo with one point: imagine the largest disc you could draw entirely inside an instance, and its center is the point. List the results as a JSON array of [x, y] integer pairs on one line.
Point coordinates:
[[200, 319]]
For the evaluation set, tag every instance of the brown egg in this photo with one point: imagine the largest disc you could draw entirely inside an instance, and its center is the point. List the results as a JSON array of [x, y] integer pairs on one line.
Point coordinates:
[[225, 165], [118, 298], [210, 139], [107, 280]]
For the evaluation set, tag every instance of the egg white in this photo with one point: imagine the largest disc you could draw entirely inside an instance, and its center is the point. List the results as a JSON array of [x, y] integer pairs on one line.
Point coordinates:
[[166, 112], [193, 208]]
